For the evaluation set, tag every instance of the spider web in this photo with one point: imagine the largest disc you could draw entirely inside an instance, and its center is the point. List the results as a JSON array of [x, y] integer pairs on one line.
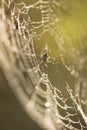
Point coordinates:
[[41, 100]]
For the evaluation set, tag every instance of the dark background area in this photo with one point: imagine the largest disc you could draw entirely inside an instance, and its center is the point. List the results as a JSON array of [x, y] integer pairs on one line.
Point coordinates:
[[12, 116]]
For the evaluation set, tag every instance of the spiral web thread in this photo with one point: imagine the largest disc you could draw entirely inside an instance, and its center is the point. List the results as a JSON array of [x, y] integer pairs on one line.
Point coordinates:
[[43, 102]]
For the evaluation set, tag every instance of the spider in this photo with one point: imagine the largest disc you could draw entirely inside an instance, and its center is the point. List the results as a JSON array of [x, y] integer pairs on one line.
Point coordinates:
[[44, 57]]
